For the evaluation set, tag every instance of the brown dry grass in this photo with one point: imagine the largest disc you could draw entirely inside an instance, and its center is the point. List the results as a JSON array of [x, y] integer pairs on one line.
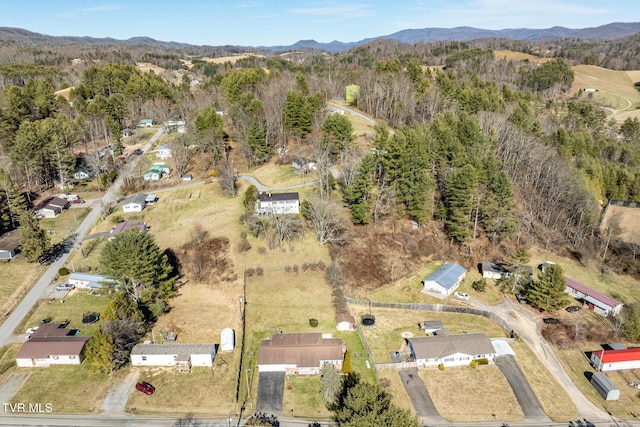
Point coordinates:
[[393, 386], [624, 219], [146, 67], [464, 394], [519, 56], [18, 276], [231, 59], [272, 175], [303, 396]]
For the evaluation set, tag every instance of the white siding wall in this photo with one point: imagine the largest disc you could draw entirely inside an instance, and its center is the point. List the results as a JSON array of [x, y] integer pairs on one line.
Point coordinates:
[[132, 207], [271, 368], [201, 359], [153, 359]]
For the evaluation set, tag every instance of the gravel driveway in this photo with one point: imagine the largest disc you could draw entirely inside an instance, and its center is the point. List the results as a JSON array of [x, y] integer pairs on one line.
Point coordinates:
[[118, 395]]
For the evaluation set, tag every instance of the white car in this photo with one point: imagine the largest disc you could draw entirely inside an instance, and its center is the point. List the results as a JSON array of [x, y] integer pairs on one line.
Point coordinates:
[[461, 295], [31, 330]]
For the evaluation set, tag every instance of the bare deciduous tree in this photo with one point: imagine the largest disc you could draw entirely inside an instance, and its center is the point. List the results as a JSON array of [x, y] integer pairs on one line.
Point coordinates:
[[326, 223]]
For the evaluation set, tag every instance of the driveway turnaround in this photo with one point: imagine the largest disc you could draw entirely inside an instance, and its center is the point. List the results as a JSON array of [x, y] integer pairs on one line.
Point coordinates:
[[524, 394], [270, 389], [419, 396]]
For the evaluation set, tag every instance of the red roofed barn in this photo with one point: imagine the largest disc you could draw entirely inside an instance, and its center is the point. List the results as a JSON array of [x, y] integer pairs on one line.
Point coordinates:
[[594, 300]]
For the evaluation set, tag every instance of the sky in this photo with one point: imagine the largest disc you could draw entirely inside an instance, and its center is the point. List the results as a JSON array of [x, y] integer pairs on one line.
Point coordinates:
[[281, 22]]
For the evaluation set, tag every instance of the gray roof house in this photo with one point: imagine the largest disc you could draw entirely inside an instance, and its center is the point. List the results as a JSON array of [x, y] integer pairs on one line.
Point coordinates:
[[444, 280], [135, 203], [179, 355], [9, 243], [89, 281], [451, 350]]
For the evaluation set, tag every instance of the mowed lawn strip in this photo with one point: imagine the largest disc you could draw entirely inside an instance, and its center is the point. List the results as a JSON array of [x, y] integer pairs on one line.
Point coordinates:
[[69, 389], [464, 394], [303, 395]]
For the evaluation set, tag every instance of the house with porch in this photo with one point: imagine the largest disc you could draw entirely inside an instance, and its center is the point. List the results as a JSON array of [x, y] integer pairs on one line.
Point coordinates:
[[300, 353], [52, 344], [127, 225], [135, 203], [450, 350]]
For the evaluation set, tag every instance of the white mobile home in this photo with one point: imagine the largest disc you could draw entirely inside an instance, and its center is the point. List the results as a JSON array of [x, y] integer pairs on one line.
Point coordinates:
[[172, 354]]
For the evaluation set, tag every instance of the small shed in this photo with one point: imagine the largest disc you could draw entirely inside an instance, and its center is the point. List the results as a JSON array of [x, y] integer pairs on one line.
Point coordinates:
[[431, 326], [345, 322], [605, 386], [227, 339]]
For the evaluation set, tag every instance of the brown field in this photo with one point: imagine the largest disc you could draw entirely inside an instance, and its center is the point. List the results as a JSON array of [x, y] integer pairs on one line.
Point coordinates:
[[146, 67], [519, 56], [18, 276], [64, 92], [624, 219], [231, 59]]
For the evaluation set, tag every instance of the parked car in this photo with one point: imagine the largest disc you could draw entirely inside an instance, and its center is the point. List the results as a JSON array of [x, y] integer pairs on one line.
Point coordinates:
[[551, 321], [31, 331], [64, 287], [573, 308], [145, 387], [461, 295], [521, 299]]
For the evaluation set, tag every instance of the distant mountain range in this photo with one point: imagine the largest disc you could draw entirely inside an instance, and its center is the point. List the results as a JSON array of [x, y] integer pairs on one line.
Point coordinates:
[[611, 31]]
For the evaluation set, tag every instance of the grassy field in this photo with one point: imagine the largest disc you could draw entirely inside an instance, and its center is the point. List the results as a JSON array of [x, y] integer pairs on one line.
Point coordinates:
[[471, 395], [518, 56], [272, 175], [627, 220], [18, 276], [70, 389], [303, 396]]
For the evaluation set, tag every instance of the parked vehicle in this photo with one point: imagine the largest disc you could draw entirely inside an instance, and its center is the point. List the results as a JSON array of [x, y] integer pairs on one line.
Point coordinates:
[[551, 321], [521, 299], [31, 331], [64, 287], [573, 308], [145, 388], [461, 295]]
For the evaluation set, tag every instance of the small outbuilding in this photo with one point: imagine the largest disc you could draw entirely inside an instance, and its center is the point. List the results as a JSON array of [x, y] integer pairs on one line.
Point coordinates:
[[605, 386], [227, 339], [9, 243], [345, 322], [445, 279], [431, 326]]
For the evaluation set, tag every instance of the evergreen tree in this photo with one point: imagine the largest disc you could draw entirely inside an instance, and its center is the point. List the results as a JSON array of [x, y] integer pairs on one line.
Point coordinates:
[[500, 214], [338, 134], [631, 326], [368, 405], [461, 201], [34, 241], [330, 383], [548, 292], [257, 144], [357, 195], [12, 202], [99, 351], [135, 261]]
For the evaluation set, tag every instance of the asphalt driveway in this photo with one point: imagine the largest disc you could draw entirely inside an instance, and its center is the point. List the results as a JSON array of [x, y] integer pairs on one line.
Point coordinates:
[[270, 389], [419, 396], [521, 389]]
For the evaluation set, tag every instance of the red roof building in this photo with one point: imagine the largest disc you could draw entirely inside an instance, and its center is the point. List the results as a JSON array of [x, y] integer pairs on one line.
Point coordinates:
[[616, 360], [594, 300]]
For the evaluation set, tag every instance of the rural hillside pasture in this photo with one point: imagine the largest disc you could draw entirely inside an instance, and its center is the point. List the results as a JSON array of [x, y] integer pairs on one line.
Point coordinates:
[[519, 56], [615, 89], [625, 221]]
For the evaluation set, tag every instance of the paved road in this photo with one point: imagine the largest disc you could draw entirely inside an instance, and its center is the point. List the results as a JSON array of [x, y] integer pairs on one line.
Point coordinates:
[[40, 288], [525, 396], [419, 396]]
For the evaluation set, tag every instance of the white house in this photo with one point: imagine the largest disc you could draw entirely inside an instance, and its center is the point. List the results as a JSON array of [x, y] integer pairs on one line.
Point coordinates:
[[135, 203], [300, 353], [51, 344], [303, 165], [616, 360], [451, 350], [445, 279], [9, 243], [592, 299], [156, 172], [278, 203], [81, 174], [173, 354], [89, 281], [165, 151], [345, 322]]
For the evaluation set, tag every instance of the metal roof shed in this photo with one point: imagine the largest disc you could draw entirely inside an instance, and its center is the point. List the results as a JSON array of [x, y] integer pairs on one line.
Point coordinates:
[[445, 279], [605, 387]]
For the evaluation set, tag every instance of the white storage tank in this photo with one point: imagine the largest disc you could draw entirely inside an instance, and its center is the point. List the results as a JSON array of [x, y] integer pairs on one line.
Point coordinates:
[[227, 339]]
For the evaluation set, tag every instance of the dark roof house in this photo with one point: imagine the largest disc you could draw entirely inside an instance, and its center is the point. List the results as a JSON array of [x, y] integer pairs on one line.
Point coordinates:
[[9, 243], [278, 203], [450, 350], [52, 344]]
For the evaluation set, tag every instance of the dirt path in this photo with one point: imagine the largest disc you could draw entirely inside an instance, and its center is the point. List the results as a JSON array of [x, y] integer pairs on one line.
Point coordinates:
[[118, 395]]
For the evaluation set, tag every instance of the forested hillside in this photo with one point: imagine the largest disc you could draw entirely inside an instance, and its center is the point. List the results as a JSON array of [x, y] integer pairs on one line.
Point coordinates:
[[488, 154]]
